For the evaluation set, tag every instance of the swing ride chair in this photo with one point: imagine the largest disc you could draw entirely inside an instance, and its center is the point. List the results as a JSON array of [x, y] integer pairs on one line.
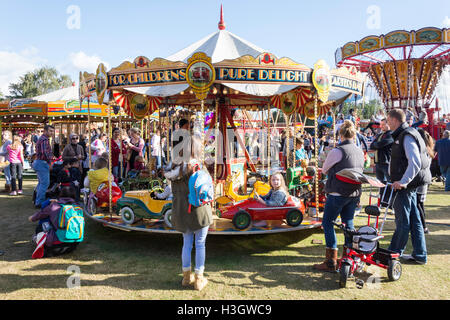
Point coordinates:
[[234, 74], [139, 204], [365, 246]]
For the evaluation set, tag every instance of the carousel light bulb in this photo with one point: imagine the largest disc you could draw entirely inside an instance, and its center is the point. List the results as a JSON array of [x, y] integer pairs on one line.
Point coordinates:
[[182, 92], [191, 92], [214, 90], [225, 91]]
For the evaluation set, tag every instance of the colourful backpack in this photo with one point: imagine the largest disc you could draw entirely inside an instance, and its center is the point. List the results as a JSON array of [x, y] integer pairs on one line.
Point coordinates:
[[70, 224], [201, 189]]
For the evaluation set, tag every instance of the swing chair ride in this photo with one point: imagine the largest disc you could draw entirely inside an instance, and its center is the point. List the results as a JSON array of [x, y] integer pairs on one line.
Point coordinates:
[[236, 92], [404, 67]]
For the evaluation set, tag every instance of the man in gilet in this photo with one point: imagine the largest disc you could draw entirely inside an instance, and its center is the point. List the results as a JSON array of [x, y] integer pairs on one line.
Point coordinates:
[[407, 172]]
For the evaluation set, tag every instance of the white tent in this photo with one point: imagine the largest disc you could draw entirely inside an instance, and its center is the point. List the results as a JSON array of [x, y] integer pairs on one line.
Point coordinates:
[[66, 94], [220, 46]]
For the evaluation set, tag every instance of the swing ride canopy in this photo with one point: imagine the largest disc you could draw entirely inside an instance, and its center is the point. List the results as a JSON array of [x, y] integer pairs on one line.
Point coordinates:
[[404, 66], [226, 67]]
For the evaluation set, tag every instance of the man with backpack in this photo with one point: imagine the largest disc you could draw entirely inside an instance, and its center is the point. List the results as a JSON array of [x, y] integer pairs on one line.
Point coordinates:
[[61, 225]]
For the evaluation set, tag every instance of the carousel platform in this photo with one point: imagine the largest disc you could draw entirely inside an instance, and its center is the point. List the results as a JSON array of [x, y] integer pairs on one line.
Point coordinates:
[[218, 227]]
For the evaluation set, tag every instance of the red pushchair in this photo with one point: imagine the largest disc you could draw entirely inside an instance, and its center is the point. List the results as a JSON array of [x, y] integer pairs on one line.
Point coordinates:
[[365, 247]]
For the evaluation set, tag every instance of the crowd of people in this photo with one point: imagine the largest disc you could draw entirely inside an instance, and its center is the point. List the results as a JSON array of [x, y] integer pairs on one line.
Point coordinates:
[[403, 157]]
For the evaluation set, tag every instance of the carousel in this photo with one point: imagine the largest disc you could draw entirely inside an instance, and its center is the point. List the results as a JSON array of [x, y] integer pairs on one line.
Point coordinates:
[[225, 83]]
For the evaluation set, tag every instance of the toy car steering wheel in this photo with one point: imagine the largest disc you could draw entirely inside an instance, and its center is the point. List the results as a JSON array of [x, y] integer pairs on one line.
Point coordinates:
[[155, 189]]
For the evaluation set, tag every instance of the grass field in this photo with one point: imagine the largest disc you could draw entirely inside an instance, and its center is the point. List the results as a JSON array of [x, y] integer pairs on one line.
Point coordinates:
[[114, 264]]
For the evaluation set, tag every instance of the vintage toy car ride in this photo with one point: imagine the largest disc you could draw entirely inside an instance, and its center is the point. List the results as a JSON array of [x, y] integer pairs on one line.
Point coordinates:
[[143, 204], [243, 213]]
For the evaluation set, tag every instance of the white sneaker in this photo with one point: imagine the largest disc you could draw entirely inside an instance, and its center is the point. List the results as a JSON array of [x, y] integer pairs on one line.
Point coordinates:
[[14, 193]]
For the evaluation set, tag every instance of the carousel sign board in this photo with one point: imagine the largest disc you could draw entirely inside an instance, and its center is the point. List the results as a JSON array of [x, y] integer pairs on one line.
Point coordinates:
[[346, 79], [321, 79], [200, 74], [265, 68], [101, 82]]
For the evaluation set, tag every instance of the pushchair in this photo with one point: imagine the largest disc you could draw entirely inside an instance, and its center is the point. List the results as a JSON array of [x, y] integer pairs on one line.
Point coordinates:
[[365, 247]]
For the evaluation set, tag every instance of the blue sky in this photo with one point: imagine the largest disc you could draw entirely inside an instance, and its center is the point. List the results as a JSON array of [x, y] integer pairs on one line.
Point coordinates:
[[35, 33]]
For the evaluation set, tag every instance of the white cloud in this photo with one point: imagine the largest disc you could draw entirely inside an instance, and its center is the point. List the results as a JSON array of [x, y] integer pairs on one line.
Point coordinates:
[[83, 62], [446, 22], [16, 64]]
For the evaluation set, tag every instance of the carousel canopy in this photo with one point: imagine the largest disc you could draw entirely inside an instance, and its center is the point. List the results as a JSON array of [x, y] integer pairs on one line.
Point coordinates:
[[221, 64]]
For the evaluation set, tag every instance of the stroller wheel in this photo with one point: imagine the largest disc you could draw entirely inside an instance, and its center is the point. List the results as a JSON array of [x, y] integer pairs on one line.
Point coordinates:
[[394, 270], [344, 273]]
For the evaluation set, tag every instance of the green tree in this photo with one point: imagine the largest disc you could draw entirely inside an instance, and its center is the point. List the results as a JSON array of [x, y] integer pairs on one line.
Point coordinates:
[[369, 109], [38, 82]]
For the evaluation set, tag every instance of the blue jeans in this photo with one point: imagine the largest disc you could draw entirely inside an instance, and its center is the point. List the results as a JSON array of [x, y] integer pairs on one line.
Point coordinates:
[[200, 249], [445, 172], [407, 220], [7, 173], [158, 161], [42, 169], [335, 206]]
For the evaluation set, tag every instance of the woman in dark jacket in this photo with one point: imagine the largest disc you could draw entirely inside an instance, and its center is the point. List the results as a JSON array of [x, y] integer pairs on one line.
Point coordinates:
[[193, 224]]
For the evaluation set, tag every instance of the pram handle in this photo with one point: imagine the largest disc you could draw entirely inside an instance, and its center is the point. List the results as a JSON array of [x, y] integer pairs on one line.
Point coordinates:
[[353, 232]]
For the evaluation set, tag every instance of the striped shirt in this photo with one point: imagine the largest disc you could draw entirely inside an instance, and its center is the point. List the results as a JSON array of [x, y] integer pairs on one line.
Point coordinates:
[[43, 149]]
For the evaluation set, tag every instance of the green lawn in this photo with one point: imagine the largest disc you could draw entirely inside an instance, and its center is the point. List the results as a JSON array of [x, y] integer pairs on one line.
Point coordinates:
[[115, 264]]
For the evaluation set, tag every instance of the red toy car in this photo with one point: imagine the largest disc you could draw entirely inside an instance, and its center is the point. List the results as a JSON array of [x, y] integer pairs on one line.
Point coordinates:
[[242, 213]]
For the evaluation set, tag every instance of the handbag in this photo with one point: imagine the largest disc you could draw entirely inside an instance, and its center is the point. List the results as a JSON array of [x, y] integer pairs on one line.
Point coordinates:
[[4, 164]]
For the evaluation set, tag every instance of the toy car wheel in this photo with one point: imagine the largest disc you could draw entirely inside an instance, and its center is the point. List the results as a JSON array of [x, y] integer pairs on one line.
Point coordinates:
[[127, 215], [168, 218], [344, 273], [92, 206], [294, 218], [394, 270], [242, 220]]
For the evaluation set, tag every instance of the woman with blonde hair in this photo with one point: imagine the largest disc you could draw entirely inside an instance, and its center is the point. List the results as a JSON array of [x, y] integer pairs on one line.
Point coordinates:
[[193, 225], [15, 155], [342, 197]]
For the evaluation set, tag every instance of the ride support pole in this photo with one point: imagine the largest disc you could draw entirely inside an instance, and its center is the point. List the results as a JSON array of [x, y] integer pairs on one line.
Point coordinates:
[[109, 159], [89, 132], [268, 139], [316, 174]]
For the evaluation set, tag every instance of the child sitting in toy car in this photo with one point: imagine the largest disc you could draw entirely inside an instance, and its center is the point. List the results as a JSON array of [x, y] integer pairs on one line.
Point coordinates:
[[100, 174], [278, 195]]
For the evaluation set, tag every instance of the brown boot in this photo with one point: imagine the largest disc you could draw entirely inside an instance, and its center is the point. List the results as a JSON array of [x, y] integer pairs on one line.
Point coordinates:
[[330, 263], [200, 281], [188, 279], [7, 188]]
